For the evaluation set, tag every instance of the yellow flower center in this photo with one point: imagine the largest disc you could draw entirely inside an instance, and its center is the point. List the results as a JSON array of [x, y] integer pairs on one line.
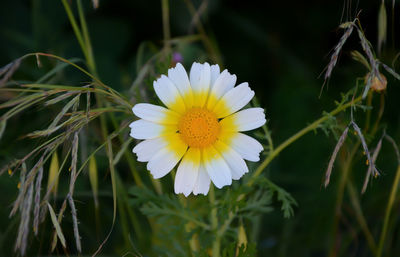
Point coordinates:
[[199, 127]]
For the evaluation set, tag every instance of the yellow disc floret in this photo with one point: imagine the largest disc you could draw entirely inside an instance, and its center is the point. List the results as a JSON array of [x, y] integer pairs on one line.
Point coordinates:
[[199, 127]]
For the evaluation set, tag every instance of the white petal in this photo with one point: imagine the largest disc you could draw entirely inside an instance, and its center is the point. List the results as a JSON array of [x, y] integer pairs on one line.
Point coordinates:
[[200, 78], [187, 173], [246, 146], [233, 159], [221, 86], [195, 74], [169, 94], [216, 167], [155, 113], [145, 150], [163, 162], [203, 182], [244, 120], [180, 79], [215, 71], [234, 100], [142, 129]]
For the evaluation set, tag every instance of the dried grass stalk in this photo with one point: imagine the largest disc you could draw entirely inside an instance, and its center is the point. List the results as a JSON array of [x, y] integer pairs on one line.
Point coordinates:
[[23, 229], [60, 98], [334, 154], [338, 48], [27, 183], [36, 211], [374, 157], [372, 169], [9, 70], [74, 154], [75, 223], [391, 71]]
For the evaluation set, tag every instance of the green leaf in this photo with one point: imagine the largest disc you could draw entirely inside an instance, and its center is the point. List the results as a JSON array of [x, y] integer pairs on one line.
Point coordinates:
[[57, 226], [382, 25]]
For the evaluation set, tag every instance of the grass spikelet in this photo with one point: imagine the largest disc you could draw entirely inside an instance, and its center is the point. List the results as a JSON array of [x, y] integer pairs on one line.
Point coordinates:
[[36, 211], [75, 223], [74, 160], [60, 98], [93, 177], [338, 48], [357, 56], [391, 71], [334, 154], [56, 225], [382, 26], [366, 45], [95, 4], [26, 184], [374, 157], [3, 125], [371, 163], [52, 183], [8, 70], [64, 111], [23, 229]]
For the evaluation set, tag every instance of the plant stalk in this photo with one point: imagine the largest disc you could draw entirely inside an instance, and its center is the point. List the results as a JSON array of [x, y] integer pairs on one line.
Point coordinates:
[[388, 211], [216, 246]]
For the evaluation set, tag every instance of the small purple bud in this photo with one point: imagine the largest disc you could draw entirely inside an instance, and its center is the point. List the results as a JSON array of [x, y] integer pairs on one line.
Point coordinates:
[[177, 57]]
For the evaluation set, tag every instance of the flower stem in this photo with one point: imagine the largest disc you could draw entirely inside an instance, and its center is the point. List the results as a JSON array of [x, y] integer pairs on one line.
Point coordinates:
[[299, 134], [388, 211], [216, 247]]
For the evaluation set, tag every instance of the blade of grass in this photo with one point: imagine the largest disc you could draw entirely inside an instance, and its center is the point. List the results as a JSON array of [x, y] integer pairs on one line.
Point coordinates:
[[56, 225]]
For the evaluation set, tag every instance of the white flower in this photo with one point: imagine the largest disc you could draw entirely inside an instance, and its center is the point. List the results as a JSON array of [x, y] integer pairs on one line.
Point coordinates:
[[200, 128]]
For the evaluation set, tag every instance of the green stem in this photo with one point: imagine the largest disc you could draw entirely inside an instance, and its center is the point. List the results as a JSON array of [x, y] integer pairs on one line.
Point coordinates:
[[216, 247], [340, 193], [299, 134], [380, 113], [360, 216], [369, 104], [166, 29], [388, 211], [128, 156], [89, 50], [75, 27]]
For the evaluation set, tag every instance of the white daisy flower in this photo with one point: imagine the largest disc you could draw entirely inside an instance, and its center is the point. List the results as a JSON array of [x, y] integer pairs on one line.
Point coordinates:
[[200, 127]]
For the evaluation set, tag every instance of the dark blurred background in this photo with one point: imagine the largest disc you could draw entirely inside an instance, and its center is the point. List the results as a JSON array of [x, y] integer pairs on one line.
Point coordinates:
[[280, 48]]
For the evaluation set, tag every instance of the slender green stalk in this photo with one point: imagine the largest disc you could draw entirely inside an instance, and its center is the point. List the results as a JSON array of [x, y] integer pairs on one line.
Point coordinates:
[[89, 50], [340, 194], [380, 113], [166, 29], [368, 117], [360, 216], [75, 27], [128, 157], [388, 211], [216, 247], [298, 135]]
